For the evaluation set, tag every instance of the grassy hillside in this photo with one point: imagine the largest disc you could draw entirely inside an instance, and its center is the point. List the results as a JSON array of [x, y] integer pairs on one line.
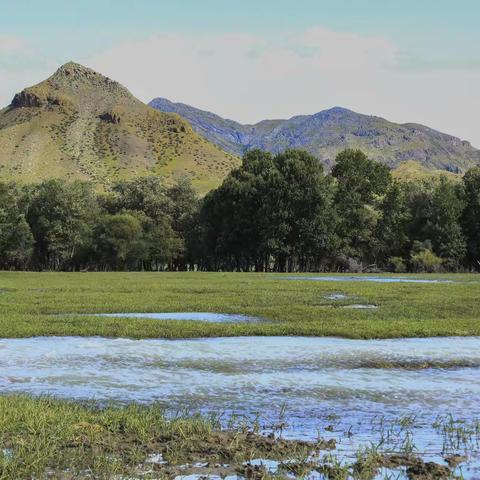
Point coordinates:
[[412, 171], [80, 124]]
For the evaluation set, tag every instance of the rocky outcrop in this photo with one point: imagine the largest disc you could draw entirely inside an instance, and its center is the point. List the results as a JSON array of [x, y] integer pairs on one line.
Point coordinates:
[[26, 99], [110, 117]]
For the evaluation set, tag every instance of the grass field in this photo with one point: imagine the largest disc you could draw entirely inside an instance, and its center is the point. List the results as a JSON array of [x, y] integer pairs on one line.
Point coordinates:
[[55, 304]]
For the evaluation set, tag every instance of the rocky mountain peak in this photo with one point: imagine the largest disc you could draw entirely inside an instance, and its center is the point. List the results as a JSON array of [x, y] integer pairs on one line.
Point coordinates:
[[73, 74], [75, 70], [69, 83]]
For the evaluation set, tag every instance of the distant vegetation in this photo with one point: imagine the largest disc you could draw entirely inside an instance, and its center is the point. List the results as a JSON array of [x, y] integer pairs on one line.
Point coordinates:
[[273, 213]]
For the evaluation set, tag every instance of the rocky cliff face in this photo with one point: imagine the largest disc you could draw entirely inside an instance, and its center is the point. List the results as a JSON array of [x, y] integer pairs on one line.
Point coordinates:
[[326, 133]]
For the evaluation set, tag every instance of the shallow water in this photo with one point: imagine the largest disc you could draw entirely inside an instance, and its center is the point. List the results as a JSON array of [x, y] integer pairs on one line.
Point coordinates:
[[361, 306], [340, 278], [196, 316], [336, 296], [339, 384]]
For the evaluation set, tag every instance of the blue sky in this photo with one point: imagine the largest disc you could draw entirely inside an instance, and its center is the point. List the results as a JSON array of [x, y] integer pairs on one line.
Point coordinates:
[[407, 61]]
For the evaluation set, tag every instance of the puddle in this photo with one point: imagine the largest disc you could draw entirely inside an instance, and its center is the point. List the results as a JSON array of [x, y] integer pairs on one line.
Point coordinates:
[[367, 279], [195, 316], [337, 388], [336, 296], [361, 306], [356, 306]]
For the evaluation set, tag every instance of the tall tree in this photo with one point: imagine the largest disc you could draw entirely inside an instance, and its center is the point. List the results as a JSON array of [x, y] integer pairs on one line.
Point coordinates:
[[444, 226], [361, 185], [236, 216], [119, 242], [143, 194], [272, 212], [61, 217], [471, 217], [16, 239], [184, 209], [436, 208], [391, 238]]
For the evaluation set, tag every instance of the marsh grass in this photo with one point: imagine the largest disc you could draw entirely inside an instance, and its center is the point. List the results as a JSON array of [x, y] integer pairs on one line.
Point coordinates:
[[56, 303], [49, 438]]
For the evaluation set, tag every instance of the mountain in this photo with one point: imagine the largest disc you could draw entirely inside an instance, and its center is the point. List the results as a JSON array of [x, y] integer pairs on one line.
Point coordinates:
[[326, 133], [81, 124]]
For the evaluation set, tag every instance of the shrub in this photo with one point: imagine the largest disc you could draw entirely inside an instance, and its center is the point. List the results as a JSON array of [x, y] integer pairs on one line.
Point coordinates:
[[426, 261], [397, 265]]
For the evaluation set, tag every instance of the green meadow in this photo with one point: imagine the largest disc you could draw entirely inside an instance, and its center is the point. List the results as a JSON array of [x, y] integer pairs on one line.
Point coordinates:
[[34, 304]]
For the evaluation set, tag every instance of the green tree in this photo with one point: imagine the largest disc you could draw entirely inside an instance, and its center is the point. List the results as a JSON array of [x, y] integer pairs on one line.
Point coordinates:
[[391, 240], [302, 216], [444, 224], [16, 239], [361, 186], [163, 244], [119, 241], [272, 212], [236, 217], [142, 194], [436, 208], [471, 217], [61, 216], [184, 209], [163, 213]]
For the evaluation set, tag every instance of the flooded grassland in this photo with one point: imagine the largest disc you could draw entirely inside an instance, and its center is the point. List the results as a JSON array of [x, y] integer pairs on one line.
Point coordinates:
[[115, 376]]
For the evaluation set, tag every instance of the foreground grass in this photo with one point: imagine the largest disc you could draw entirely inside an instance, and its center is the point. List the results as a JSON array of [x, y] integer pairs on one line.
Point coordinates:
[[54, 303], [48, 438]]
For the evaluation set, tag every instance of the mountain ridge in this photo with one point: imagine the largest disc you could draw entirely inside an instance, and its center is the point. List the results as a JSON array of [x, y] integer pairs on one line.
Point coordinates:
[[326, 133]]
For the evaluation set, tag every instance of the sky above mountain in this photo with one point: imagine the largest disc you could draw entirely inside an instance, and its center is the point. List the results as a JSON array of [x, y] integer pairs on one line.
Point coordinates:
[[250, 60]]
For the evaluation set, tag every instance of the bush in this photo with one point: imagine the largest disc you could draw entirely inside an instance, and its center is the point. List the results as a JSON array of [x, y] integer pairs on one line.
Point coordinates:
[[426, 261], [397, 265]]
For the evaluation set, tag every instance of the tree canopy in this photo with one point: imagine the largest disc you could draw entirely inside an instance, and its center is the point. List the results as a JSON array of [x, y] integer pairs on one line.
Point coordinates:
[[273, 213]]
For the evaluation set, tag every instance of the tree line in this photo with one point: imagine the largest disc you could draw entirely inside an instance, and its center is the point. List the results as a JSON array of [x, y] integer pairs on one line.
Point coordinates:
[[274, 213]]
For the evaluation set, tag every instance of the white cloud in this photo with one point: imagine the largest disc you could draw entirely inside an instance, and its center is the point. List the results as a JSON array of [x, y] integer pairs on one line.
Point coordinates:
[[249, 78]]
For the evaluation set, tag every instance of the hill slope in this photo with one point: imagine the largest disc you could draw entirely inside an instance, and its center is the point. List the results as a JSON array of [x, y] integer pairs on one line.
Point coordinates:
[[413, 171], [326, 133], [80, 124]]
